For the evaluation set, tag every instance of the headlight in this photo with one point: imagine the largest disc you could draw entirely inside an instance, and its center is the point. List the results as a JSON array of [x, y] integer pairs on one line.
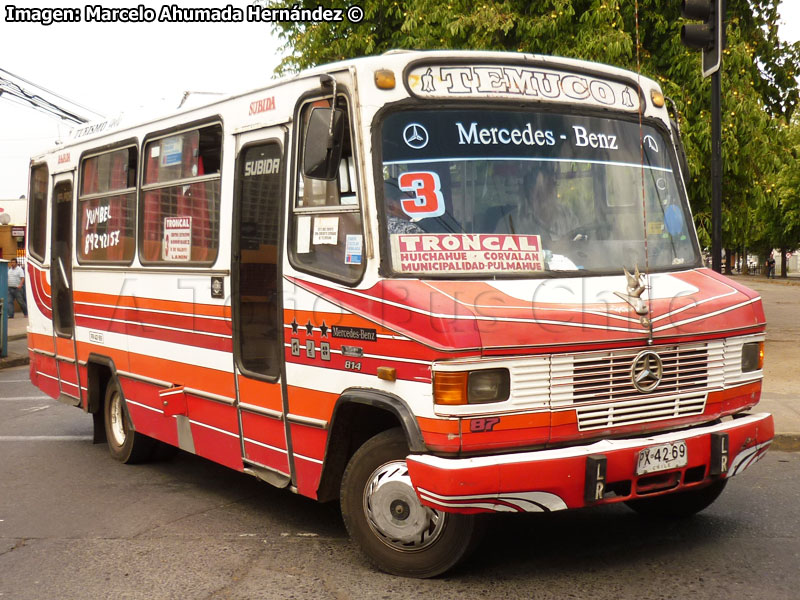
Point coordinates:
[[752, 356], [491, 385], [471, 387]]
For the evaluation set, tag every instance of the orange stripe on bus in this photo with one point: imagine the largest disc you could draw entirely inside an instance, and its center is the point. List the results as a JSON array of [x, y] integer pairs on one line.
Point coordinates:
[[438, 425], [120, 357], [178, 373], [311, 403], [138, 302], [523, 421], [260, 393], [64, 347], [748, 389], [564, 417], [40, 341]]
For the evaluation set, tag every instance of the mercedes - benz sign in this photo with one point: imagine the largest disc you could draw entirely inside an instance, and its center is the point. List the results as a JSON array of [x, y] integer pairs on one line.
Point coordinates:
[[647, 371]]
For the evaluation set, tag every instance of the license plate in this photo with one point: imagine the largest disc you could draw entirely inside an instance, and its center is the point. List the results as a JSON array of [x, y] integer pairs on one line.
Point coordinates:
[[663, 457]]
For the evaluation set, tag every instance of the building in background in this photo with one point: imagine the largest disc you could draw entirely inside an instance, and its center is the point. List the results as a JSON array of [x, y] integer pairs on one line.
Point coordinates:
[[13, 223]]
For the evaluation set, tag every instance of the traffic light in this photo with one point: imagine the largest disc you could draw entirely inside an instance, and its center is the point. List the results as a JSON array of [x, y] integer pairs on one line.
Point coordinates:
[[707, 36]]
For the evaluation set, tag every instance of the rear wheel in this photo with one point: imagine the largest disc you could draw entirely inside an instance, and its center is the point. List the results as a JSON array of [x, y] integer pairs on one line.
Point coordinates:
[[680, 504], [384, 516], [125, 444]]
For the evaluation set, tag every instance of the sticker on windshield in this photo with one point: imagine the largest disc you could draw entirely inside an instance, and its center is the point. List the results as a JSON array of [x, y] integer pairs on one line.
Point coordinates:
[[353, 250], [428, 200], [466, 253], [326, 230], [177, 243]]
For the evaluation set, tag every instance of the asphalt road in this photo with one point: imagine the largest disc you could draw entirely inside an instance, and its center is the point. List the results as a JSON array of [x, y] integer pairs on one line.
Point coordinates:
[[75, 524]]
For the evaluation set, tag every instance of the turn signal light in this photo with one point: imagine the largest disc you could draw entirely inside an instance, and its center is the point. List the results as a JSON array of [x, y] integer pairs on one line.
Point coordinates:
[[387, 373], [752, 356], [657, 98], [450, 388], [471, 387], [384, 79]]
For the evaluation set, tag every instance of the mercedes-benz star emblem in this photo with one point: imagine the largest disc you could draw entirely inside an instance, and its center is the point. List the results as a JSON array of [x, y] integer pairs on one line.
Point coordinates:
[[647, 371], [415, 136]]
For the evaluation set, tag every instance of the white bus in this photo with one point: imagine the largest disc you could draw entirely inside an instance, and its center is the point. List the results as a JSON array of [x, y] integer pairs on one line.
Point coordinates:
[[425, 284]]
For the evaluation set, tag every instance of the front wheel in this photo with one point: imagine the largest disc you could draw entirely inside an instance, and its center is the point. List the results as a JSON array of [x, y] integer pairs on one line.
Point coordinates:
[[125, 444], [680, 504], [384, 516]]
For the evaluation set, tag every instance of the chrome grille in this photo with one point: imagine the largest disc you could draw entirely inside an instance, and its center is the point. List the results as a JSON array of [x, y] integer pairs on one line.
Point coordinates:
[[600, 387], [597, 416], [607, 378]]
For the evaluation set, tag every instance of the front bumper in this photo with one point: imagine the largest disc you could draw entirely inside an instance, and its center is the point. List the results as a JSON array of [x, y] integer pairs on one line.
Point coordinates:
[[548, 480]]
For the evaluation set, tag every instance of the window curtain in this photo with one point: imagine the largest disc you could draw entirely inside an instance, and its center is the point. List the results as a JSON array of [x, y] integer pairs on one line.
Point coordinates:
[[90, 184], [151, 244], [118, 205], [192, 200]]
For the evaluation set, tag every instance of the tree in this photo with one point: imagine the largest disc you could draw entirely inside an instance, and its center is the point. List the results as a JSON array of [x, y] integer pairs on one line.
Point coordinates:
[[780, 211], [760, 91]]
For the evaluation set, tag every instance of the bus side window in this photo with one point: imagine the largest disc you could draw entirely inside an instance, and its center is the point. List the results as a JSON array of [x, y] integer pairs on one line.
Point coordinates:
[[326, 233], [179, 203], [255, 298], [37, 207], [107, 207]]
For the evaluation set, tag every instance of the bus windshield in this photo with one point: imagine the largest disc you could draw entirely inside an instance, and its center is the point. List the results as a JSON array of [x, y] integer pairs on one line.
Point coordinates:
[[504, 192]]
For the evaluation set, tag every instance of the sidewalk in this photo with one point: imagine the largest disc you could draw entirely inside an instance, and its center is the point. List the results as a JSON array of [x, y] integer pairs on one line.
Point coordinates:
[[785, 408], [17, 342]]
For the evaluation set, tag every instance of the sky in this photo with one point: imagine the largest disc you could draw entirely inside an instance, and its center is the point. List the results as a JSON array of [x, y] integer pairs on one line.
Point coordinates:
[[116, 68]]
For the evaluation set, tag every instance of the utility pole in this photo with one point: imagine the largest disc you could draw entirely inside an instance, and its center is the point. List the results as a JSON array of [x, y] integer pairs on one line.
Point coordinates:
[[709, 36], [716, 172]]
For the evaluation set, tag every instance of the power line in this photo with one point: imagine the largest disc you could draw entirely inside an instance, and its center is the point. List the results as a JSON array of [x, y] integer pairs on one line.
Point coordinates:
[[8, 97], [52, 93], [13, 89]]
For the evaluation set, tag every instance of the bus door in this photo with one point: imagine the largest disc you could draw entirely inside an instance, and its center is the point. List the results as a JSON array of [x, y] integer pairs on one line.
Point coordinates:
[[257, 305], [61, 286]]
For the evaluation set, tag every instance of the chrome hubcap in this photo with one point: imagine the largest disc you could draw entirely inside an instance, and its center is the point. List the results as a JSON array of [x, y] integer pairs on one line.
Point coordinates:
[[394, 512], [117, 419]]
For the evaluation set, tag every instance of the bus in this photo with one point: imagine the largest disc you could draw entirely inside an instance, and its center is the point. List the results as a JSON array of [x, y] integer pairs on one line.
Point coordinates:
[[427, 285]]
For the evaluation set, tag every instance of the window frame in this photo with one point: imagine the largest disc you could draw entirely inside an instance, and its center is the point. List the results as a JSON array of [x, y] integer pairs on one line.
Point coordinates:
[[61, 329], [236, 257], [142, 188], [385, 268], [87, 154], [43, 215], [293, 211]]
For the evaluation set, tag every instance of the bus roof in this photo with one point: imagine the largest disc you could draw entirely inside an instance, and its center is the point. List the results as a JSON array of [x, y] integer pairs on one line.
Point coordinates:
[[394, 59]]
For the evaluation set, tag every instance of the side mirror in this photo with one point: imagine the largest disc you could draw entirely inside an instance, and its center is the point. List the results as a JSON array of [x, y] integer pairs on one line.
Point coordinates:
[[323, 145]]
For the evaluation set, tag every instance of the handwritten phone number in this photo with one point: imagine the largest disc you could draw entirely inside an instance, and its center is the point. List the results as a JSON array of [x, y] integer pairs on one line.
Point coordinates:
[[100, 241]]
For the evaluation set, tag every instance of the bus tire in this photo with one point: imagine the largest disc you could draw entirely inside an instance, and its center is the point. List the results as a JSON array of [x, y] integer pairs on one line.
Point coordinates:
[[125, 444], [385, 518], [679, 504]]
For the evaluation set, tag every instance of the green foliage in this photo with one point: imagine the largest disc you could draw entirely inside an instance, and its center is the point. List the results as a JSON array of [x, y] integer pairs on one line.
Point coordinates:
[[761, 205]]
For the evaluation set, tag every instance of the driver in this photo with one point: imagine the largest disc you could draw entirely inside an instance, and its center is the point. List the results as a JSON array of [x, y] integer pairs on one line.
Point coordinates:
[[546, 214]]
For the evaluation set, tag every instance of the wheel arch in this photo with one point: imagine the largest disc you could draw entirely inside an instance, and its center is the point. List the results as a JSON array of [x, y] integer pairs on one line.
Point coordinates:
[[100, 371], [358, 415]]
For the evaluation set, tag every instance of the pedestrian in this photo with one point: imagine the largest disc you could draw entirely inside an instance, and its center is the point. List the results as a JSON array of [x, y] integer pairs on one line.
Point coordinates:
[[771, 267], [16, 288]]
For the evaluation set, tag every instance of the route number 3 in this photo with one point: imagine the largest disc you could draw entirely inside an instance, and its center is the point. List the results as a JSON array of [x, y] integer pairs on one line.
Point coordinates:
[[428, 200]]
